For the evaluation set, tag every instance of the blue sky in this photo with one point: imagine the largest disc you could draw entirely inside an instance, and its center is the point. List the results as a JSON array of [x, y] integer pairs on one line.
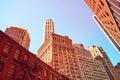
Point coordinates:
[[71, 18]]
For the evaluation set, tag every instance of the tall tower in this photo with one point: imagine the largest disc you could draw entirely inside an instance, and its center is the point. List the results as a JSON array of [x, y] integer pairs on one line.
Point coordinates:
[[107, 15], [99, 54], [68, 59], [58, 52], [48, 29], [19, 35]]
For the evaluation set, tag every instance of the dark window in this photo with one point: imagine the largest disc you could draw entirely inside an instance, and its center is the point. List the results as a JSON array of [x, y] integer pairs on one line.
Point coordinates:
[[22, 74], [56, 78], [32, 77], [25, 59], [111, 22], [39, 69], [38, 79], [7, 47], [100, 7], [94, 1], [1, 66], [118, 37], [33, 65], [3, 59], [101, 3], [12, 70], [0, 38], [107, 13], [17, 54]]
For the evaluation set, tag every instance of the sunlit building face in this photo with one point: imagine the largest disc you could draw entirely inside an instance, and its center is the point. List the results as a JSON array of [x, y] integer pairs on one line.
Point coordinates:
[[59, 52], [19, 35], [107, 15], [99, 54]]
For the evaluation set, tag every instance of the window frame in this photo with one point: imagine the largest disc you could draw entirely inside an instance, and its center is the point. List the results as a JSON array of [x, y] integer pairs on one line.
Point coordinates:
[[17, 54], [46, 73], [39, 69], [11, 72], [7, 47]]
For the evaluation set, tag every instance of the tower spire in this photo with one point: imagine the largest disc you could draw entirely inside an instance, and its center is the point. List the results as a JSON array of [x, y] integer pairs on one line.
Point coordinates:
[[48, 29]]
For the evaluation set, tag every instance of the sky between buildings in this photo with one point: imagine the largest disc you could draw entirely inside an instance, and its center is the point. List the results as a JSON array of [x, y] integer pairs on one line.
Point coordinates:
[[71, 17]]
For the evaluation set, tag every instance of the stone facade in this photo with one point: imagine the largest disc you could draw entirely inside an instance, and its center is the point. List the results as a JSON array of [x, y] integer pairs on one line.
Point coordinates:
[[20, 35]]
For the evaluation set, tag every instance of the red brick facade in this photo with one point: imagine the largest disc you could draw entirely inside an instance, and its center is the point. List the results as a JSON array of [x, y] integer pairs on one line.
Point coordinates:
[[17, 63]]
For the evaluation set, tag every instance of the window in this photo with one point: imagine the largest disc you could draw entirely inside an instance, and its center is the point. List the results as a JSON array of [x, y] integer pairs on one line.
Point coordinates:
[[102, 3], [3, 59], [118, 37], [100, 7], [111, 22], [51, 76], [32, 77], [26, 57], [1, 66], [94, 1], [12, 70], [17, 54], [22, 74], [38, 79], [56, 78], [39, 69], [7, 47], [0, 38], [33, 65], [106, 13], [46, 73]]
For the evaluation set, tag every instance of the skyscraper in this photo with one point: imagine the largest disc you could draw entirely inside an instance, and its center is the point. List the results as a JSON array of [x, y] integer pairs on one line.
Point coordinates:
[[107, 15], [89, 68], [99, 54], [59, 52], [48, 29], [19, 35]]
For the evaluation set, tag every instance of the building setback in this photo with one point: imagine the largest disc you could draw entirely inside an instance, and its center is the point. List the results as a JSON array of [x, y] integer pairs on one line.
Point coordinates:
[[17, 63], [99, 54], [90, 69], [20, 35], [107, 15]]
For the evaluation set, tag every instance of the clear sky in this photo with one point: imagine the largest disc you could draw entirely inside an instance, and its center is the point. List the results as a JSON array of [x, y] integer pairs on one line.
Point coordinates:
[[71, 17]]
